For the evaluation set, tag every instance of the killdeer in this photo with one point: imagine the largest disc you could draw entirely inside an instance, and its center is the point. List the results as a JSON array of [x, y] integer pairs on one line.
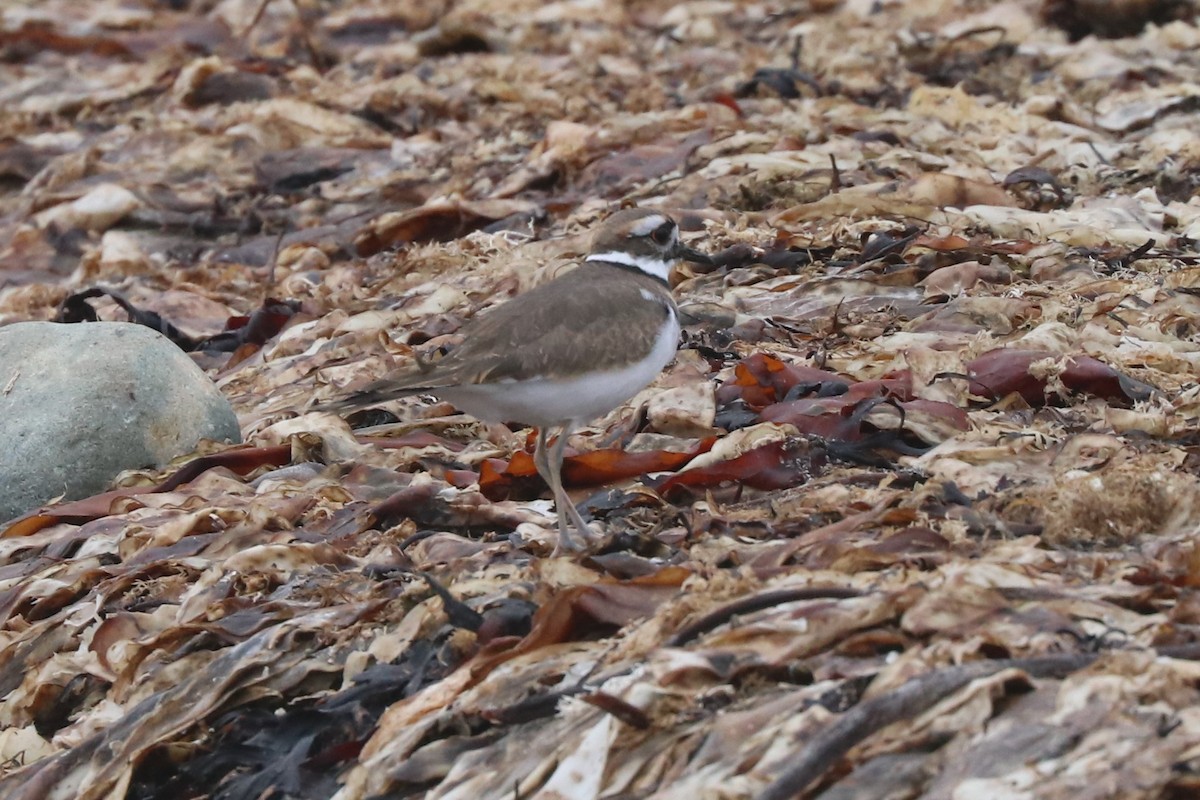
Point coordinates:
[[566, 352]]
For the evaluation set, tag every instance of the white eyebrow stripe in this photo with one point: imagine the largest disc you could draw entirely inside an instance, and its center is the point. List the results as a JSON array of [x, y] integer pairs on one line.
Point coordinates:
[[654, 267], [646, 225]]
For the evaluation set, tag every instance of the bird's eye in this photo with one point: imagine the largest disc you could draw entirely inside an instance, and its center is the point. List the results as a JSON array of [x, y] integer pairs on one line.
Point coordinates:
[[662, 234]]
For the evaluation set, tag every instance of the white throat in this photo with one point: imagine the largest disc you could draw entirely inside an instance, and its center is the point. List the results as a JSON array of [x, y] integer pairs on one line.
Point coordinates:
[[654, 267]]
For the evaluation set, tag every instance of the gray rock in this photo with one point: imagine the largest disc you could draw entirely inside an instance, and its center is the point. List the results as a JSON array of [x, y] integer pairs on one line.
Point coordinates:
[[80, 403]]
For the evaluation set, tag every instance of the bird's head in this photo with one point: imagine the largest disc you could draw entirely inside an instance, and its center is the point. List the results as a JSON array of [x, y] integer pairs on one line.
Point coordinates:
[[644, 239]]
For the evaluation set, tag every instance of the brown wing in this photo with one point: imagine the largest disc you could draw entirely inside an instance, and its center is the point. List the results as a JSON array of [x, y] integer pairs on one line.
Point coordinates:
[[595, 317]]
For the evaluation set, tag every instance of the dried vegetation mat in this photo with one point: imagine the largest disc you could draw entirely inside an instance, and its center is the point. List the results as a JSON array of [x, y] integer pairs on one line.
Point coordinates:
[[913, 513]]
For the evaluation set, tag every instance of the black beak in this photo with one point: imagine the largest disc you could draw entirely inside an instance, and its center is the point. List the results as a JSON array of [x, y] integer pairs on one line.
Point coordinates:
[[695, 256]]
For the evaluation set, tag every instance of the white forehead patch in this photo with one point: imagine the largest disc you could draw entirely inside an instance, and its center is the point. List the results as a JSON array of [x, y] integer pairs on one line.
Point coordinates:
[[646, 225]]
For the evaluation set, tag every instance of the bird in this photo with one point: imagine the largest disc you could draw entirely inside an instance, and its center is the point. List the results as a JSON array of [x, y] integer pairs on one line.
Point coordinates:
[[564, 353]]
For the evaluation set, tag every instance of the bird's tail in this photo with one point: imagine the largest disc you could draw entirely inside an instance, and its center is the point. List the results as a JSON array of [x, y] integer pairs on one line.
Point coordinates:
[[373, 394]]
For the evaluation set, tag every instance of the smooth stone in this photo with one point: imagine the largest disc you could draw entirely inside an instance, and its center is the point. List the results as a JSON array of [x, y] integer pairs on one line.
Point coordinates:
[[80, 403]]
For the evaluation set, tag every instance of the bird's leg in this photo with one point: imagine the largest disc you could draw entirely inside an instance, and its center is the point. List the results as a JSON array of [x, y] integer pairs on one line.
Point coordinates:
[[539, 455], [556, 462], [549, 465], [541, 461]]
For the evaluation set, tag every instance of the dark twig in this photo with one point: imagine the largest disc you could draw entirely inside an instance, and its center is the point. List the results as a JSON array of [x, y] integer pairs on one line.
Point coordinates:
[[459, 613], [1126, 261], [258, 15], [745, 605]]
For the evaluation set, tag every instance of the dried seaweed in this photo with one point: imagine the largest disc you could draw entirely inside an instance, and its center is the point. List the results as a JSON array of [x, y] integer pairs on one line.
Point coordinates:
[[912, 513]]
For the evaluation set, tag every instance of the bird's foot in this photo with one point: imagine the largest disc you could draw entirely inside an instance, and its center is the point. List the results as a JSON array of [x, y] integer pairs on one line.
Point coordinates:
[[577, 542], [568, 515]]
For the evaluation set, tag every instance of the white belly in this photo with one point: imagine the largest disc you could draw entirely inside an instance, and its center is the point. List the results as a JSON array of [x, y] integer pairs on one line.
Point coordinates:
[[546, 401]]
